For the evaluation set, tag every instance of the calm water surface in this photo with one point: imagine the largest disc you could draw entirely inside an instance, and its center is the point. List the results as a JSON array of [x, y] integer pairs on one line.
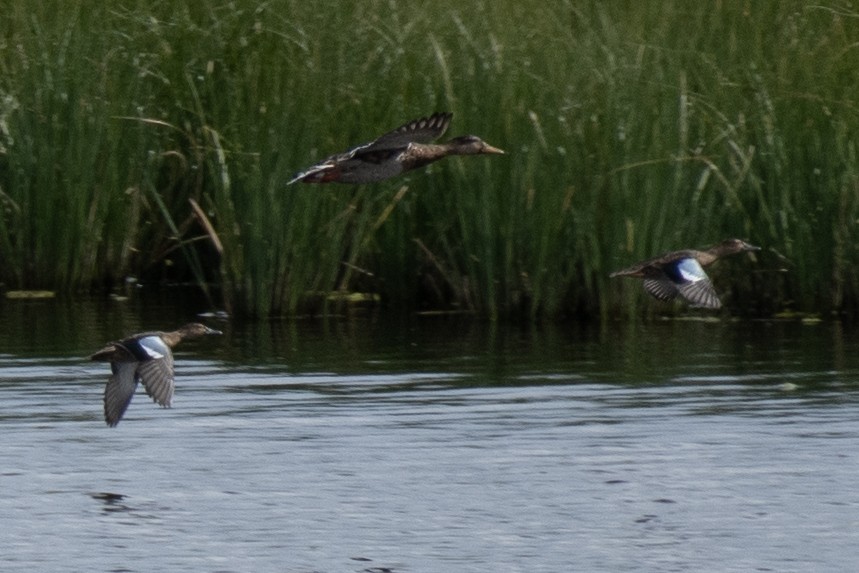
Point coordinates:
[[431, 445]]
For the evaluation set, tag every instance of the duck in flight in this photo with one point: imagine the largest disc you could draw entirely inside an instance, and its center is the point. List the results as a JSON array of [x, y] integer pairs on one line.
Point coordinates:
[[403, 149], [681, 273], [146, 357]]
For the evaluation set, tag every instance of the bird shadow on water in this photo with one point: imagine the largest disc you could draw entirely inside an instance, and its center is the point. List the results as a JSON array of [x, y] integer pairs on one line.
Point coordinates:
[[112, 502], [117, 504], [376, 569]]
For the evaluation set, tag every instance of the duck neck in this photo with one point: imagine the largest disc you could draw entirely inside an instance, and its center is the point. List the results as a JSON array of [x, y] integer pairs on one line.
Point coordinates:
[[171, 339], [714, 253]]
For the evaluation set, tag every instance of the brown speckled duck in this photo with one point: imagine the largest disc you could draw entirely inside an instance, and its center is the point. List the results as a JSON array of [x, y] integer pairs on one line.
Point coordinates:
[[146, 357], [681, 273], [403, 149]]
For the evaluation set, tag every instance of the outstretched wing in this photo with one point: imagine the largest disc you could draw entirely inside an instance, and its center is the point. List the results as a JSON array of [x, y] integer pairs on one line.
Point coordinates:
[[157, 379], [119, 391], [661, 288], [423, 130], [156, 373], [692, 283], [701, 293]]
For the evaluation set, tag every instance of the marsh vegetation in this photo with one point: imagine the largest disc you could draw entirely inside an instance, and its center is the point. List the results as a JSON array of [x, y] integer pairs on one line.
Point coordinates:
[[631, 128]]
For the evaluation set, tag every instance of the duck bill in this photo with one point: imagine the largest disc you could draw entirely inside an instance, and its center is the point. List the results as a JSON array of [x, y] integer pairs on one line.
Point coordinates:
[[494, 150]]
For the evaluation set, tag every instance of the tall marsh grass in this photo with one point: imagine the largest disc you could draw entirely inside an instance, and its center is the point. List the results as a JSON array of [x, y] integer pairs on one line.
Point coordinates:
[[631, 128]]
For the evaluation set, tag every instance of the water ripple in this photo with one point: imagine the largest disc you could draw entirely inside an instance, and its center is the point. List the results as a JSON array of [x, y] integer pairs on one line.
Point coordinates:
[[465, 461]]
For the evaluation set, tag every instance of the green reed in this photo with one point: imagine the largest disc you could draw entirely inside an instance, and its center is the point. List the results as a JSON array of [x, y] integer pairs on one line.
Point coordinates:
[[631, 128]]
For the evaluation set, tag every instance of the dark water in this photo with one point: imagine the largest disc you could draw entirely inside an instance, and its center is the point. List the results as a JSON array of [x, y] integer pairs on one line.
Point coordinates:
[[370, 445]]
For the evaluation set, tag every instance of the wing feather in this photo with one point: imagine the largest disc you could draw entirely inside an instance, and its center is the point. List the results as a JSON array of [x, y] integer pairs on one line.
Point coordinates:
[[157, 378], [119, 391], [423, 130], [661, 288], [700, 293]]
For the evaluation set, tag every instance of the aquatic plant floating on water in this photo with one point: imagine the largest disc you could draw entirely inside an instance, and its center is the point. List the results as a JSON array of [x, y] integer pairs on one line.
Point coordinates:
[[681, 273], [146, 357], [403, 149]]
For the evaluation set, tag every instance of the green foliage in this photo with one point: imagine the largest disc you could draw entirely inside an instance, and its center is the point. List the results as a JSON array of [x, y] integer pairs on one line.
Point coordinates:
[[631, 128]]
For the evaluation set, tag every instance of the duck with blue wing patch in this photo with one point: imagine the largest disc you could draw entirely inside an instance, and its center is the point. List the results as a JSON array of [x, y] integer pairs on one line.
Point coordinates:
[[148, 358], [681, 273]]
